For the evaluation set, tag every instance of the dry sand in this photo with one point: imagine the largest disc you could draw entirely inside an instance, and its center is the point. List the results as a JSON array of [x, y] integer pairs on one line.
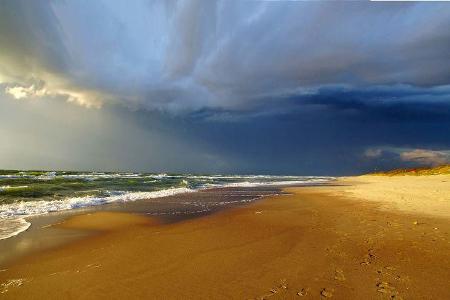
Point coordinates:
[[413, 194], [312, 244]]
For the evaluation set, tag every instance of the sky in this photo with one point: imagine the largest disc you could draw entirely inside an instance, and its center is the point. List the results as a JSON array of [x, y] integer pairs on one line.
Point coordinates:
[[254, 87]]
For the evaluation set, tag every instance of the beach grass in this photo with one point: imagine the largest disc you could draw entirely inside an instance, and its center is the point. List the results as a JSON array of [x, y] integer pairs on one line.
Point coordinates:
[[421, 171]]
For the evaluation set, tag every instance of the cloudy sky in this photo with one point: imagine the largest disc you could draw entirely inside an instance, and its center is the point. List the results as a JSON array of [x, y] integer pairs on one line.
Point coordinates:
[[277, 87]]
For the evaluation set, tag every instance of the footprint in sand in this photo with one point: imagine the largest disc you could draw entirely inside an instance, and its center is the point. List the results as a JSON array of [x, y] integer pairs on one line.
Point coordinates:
[[339, 275], [370, 257], [12, 283], [267, 296], [282, 286], [389, 271], [387, 288], [326, 293], [302, 292]]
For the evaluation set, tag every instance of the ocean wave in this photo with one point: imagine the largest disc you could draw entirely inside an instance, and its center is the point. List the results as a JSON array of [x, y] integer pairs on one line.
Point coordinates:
[[96, 176], [30, 208], [9, 187], [272, 183]]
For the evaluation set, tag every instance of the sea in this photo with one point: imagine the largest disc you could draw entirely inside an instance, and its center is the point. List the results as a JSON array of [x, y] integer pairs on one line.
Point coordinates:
[[24, 194]]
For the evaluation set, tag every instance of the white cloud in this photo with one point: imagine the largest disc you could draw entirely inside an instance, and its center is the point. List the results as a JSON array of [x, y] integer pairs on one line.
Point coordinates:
[[19, 92], [373, 153], [409, 155], [426, 157], [89, 99]]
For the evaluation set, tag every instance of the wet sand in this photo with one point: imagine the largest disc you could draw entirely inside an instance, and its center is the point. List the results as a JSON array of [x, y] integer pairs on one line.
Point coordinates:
[[314, 243], [41, 235]]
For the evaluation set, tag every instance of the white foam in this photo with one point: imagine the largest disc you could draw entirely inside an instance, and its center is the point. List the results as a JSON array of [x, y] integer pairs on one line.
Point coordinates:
[[10, 227], [95, 176], [30, 208], [308, 181], [12, 216]]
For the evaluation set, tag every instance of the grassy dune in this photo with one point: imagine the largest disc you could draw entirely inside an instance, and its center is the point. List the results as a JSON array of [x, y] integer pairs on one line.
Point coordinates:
[[439, 170]]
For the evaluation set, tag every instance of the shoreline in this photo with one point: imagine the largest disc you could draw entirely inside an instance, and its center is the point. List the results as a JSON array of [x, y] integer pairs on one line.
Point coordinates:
[[43, 235], [17, 207], [314, 242], [14, 216]]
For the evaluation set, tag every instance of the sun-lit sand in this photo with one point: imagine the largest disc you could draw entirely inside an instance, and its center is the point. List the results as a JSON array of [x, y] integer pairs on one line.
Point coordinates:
[[317, 242], [412, 194]]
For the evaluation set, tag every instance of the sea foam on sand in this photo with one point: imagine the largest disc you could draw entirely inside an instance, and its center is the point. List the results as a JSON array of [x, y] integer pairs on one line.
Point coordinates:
[[10, 227], [12, 216]]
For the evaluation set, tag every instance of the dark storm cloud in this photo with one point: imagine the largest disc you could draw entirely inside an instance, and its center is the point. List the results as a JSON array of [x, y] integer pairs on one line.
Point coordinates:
[[316, 139], [391, 103], [187, 55], [336, 130], [397, 103], [235, 86]]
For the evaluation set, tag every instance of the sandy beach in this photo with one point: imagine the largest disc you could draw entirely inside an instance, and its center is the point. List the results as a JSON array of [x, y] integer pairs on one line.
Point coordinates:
[[368, 237], [186, 149]]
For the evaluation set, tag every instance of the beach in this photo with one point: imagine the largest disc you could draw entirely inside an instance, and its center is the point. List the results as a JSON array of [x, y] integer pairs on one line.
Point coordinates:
[[367, 237], [205, 150]]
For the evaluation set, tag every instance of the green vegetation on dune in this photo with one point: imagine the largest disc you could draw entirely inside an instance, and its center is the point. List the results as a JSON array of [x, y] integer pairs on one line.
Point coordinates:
[[439, 170]]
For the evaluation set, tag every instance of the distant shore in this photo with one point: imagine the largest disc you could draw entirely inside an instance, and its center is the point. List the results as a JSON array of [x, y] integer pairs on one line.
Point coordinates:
[[368, 237]]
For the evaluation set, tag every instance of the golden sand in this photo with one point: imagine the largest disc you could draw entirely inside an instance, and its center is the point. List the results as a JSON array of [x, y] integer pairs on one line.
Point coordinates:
[[412, 194], [310, 244]]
